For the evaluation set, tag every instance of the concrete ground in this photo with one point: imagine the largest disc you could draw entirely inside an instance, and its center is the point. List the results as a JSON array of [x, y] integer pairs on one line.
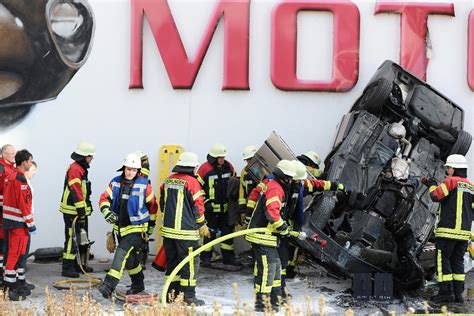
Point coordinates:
[[216, 286]]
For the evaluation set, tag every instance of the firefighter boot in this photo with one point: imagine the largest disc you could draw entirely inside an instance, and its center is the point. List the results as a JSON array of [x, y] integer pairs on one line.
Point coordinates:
[[69, 270], [23, 288], [137, 284], [13, 293], [275, 298], [259, 303], [445, 293], [173, 292], [190, 296], [458, 290]]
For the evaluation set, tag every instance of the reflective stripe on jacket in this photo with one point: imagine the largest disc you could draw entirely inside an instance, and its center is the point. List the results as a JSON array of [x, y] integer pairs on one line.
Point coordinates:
[[76, 193], [456, 197], [17, 201], [182, 204], [247, 184]]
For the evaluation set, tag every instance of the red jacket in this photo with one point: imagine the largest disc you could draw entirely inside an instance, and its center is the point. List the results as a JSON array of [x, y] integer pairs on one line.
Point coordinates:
[[17, 199], [5, 169]]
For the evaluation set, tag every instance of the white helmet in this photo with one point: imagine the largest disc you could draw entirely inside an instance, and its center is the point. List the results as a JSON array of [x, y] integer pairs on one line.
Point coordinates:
[[218, 150], [456, 161], [132, 161], [85, 149], [188, 159], [249, 152], [301, 171], [287, 167], [313, 156]]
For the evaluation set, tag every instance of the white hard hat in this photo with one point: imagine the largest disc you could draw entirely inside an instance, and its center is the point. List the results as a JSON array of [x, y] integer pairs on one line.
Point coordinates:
[[188, 159], [218, 150], [456, 161], [287, 167], [132, 161], [249, 152], [313, 156], [85, 149], [301, 171]]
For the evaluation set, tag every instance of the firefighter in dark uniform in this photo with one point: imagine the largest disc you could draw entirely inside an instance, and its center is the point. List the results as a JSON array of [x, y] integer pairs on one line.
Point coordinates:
[[214, 176], [182, 204], [75, 202], [264, 245], [247, 184], [453, 229], [130, 205]]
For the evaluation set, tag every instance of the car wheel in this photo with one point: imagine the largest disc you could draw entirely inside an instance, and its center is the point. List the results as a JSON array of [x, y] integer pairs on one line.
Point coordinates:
[[462, 144], [322, 211], [375, 95]]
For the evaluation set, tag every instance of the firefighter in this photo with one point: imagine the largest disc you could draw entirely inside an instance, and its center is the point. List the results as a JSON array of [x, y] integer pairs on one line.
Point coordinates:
[[312, 161], [18, 222], [75, 202], [214, 176], [7, 166], [182, 204], [130, 205], [267, 214], [453, 229], [247, 184]]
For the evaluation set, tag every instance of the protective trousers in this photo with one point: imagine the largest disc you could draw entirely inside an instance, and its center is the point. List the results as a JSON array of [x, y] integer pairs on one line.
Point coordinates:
[[219, 222], [284, 254], [70, 252], [267, 280], [127, 257], [450, 265], [176, 250], [17, 245]]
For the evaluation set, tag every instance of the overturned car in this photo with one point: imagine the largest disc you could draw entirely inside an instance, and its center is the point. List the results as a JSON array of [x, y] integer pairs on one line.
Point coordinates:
[[398, 132]]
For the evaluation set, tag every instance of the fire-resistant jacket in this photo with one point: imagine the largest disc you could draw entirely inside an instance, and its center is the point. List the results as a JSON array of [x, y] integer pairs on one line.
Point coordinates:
[[456, 197], [247, 184], [5, 169], [267, 214], [76, 194], [182, 205], [17, 202], [214, 181], [141, 205]]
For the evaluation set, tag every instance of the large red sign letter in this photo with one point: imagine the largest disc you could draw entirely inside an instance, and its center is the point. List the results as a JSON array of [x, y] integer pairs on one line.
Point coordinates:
[[470, 52], [413, 27], [345, 67], [181, 71]]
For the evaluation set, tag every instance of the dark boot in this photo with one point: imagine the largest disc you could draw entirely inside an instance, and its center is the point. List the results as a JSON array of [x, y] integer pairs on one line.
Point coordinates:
[[290, 272], [13, 293], [173, 291], [69, 269], [445, 293], [458, 287], [259, 303], [275, 298], [190, 296], [137, 284], [22, 288], [193, 301], [106, 289], [231, 261], [86, 269], [30, 286]]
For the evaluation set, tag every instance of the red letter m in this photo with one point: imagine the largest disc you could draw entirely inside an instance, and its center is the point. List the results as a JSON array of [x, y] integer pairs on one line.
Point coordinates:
[[181, 71]]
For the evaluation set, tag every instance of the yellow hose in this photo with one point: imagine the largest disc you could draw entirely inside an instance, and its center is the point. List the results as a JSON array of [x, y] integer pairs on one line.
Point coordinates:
[[201, 249]]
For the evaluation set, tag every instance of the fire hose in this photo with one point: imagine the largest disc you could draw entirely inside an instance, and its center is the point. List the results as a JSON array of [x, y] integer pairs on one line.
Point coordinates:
[[216, 241], [70, 283]]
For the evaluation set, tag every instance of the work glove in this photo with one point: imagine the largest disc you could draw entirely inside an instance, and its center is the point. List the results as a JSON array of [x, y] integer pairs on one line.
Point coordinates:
[[31, 229], [340, 187], [204, 231], [302, 236], [429, 182], [246, 220], [81, 220], [110, 217], [81, 212]]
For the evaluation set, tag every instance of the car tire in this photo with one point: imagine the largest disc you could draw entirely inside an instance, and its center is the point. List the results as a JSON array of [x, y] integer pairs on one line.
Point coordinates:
[[322, 211], [375, 95], [462, 144]]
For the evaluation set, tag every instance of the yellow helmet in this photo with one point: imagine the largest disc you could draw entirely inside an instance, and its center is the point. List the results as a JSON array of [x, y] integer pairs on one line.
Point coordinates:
[[301, 171], [287, 167], [188, 159], [314, 157], [249, 152], [85, 149], [218, 150]]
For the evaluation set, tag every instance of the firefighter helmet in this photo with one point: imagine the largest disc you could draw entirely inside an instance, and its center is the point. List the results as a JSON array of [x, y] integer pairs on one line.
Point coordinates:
[[188, 159], [85, 149], [314, 157], [456, 161], [249, 152], [286, 167], [218, 150], [132, 161], [301, 171]]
